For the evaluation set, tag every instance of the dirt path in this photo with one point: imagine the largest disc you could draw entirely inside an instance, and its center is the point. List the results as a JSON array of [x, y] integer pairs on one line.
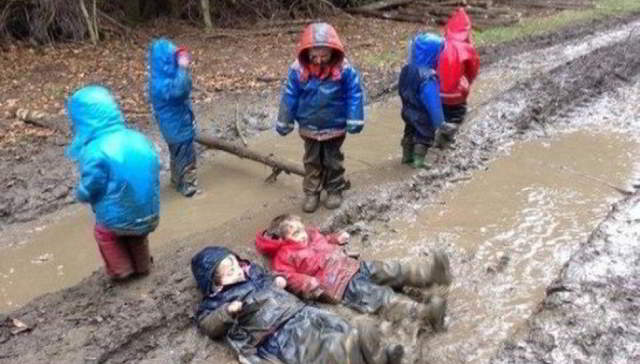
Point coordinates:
[[150, 320]]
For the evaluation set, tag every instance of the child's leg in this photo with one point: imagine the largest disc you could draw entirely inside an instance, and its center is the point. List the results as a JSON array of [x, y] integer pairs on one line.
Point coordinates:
[[183, 171], [363, 295], [407, 143], [332, 161], [434, 269], [114, 253], [313, 174], [138, 247], [454, 117]]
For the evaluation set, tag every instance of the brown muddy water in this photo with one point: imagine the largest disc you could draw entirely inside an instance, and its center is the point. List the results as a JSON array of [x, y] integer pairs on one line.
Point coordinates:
[[49, 258], [509, 230]]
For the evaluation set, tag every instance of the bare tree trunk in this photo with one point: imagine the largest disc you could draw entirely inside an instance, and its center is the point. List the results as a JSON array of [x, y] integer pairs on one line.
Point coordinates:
[[206, 14], [93, 34]]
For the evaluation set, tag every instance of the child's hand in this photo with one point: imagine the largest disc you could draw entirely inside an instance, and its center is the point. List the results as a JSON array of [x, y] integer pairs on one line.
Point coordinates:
[[280, 282], [234, 307], [343, 238], [354, 126]]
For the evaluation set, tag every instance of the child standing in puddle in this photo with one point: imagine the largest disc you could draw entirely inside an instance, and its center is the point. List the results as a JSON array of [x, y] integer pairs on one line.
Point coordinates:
[[323, 94]]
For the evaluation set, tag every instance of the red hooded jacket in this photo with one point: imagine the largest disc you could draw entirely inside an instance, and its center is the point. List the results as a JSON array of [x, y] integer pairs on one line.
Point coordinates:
[[322, 258], [458, 62]]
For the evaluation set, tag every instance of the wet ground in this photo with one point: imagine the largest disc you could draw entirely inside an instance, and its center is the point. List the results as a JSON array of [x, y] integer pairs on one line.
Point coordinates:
[[548, 147]]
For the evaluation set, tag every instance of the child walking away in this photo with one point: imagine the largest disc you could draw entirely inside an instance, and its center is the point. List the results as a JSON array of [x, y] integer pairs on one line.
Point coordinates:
[[458, 65], [170, 93], [420, 93], [264, 323], [118, 171], [323, 93], [317, 268]]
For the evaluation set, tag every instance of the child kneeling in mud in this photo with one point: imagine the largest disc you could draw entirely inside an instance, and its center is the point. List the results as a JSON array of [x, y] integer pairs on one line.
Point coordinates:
[[265, 323], [316, 267]]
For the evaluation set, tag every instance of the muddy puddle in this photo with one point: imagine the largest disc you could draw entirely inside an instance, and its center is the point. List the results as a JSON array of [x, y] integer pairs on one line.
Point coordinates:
[[49, 258], [510, 228]]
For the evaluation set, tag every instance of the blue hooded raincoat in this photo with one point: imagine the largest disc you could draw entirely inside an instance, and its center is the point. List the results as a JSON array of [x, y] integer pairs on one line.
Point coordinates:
[[170, 93], [324, 105], [118, 166], [419, 87]]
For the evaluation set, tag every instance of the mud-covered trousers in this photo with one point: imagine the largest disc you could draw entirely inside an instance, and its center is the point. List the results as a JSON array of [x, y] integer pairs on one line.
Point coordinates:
[[413, 136], [371, 288], [317, 336], [453, 118], [323, 166], [183, 165], [123, 255]]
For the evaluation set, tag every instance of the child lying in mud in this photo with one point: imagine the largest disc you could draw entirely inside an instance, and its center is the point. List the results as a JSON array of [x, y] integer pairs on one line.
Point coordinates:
[[316, 267], [264, 323]]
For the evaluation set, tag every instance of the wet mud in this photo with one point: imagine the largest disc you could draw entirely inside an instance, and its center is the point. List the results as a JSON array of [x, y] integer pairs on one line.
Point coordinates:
[[590, 313], [149, 320], [26, 196]]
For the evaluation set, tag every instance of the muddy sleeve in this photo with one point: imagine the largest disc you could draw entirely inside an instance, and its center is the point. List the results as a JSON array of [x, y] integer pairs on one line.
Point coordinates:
[[216, 322], [178, 87], [289, 103], [355, 95], [93, 180], [430, 97], [298, 283]]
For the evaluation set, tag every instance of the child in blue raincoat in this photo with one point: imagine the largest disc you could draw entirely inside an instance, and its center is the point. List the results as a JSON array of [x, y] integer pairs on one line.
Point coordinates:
[[419, 90], [118, 170], [170, 93], [323, 94], [263, 323]]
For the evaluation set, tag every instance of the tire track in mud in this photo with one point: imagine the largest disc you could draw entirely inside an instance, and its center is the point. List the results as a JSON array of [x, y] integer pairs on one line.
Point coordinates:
[[98, 322], [590, 313]]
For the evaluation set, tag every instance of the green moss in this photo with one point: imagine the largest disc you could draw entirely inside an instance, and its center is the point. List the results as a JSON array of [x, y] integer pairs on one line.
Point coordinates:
[[532, 26]]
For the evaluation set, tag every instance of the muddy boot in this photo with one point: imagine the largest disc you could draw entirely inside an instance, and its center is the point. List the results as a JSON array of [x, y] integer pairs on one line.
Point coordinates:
[[407, 153], [421, 274], [398, 307], [311, 203], [395, 353], [434, 312], [333, 201], [419, 154], [445, 136], [371, 344]]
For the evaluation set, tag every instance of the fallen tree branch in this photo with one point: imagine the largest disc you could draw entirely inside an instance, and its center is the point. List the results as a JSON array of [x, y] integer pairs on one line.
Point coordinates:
[[111, 20], [239, 33], [39, 119], [409, 18], [239, 129], [245, 153], [382, 5]]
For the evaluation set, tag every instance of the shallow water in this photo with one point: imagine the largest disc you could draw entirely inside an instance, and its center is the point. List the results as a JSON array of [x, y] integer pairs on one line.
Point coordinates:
[[509, 230]]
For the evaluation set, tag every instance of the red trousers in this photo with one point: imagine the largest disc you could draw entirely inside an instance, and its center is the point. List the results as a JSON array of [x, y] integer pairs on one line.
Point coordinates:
[[123, 255]]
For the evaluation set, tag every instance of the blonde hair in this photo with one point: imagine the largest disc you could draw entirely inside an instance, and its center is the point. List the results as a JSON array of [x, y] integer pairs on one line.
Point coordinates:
[[277, 226]]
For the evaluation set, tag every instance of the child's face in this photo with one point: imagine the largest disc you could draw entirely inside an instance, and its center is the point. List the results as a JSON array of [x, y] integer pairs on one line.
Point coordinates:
[[296, 232], [320, 55], [229, 271]]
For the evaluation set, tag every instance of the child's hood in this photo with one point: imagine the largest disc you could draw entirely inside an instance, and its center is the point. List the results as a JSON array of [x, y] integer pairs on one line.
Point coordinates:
[[320, 35], [424, 49], [266, 245], [205, 263], [162, 57], [458, 26], [92, 110]]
